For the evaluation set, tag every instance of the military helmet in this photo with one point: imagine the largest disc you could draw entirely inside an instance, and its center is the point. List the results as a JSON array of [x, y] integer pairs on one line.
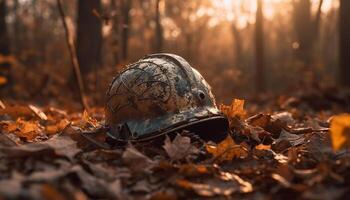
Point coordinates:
[[161, 94]]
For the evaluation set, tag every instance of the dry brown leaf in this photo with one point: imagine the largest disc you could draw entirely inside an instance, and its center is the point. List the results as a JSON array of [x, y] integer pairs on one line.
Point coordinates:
[[136, 161], [179, 148], [236, 109], [38, 112], [51, 193], [192, 170], [210, 188], [227, 150], [340, 131], [17, 111], [261, 120]]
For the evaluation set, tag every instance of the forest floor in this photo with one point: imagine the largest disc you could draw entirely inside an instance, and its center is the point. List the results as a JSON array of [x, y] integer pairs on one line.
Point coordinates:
[[292, 148]]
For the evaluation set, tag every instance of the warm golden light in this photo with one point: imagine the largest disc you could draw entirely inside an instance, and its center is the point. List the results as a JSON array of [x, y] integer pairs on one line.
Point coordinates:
[[243, 11]]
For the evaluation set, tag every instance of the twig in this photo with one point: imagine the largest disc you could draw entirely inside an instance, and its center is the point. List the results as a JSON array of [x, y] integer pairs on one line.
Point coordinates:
[[73, 56]]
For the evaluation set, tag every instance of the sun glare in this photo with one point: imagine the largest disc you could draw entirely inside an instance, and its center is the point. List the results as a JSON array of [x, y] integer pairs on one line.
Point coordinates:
[[243, 11]]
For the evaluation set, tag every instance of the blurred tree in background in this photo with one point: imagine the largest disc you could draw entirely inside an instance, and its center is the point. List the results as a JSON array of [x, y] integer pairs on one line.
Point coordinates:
[[239, 45], [89, 35], [345, 42]]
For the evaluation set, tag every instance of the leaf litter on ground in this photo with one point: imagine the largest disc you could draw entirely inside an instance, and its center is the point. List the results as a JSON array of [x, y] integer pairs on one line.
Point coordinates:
[[43, 156]]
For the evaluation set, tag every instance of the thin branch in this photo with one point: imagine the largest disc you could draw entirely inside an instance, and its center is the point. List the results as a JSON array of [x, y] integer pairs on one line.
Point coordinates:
[[73, 57]]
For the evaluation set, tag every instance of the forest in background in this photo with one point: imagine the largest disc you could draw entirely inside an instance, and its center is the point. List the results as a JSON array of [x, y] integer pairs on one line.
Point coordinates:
[[289, 44], [279, 69]]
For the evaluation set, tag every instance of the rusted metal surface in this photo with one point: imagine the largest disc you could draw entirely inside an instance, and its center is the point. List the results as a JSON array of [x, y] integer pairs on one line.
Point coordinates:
[[155, 95]]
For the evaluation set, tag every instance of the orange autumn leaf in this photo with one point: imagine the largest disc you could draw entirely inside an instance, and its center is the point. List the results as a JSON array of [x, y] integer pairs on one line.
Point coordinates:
[[236, 109], [28, 130], [227, 150], [3, 80], [340, 131], [56, 128], [193, 170], [263, 147]]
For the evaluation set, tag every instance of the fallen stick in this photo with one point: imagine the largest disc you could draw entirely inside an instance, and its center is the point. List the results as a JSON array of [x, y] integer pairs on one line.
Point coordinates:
[[73, 57]]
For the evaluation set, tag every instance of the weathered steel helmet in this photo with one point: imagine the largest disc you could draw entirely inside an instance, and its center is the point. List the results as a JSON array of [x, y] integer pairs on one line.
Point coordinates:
[[161, 94]]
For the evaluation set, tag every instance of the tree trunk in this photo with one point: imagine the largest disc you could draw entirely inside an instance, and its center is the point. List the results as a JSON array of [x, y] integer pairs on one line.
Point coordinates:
[[89, 35], [344, 30], [126, 6], [116, 31], [4, 39], [4, 44], [158, 30], [237, 46], [307, 29], [259, 53]]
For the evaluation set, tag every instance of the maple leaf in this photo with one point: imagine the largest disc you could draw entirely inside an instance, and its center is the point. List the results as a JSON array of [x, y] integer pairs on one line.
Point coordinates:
[[227, 150], [179, 148], [340, 131], [236, 109]]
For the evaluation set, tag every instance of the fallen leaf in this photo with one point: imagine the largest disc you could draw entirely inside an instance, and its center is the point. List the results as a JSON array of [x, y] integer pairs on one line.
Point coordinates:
[[136, 161], [51, 193], [26, 130], [164, 195], [3, 80], [284, 118], [6, 141], [340, 131], [38, 112], [210, 188], [294, 139], [263, 147], [179, 148], [56, 128], [245, 186], [193, 170], [261, 120], [57, 146], [17, 111], [15, 183], [236, 109], [227, 150]]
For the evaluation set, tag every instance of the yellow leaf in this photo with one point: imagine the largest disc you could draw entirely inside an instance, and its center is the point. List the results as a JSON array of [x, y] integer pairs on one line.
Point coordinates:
[[3, 80], [236, 109], [227, 150], [340, 131]]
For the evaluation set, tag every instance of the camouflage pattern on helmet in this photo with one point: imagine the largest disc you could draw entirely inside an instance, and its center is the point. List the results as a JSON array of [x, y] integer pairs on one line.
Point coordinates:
[[160, 93]]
